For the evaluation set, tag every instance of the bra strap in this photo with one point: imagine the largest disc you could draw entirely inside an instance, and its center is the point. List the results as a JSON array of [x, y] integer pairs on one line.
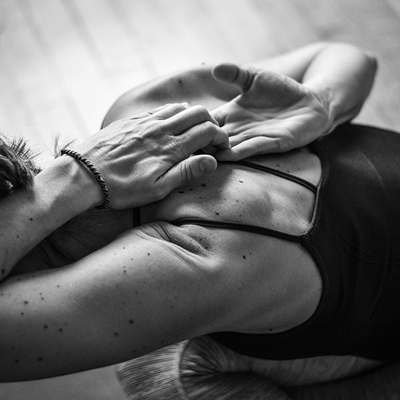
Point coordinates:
[[281, 174], [239, 227]]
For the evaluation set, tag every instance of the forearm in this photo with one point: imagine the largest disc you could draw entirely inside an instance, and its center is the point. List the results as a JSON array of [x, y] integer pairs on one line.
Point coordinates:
[[342, 76], [295, 63], [60, 192]]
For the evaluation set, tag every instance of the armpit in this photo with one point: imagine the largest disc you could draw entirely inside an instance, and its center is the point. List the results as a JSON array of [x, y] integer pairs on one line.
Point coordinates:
[[189, 238]]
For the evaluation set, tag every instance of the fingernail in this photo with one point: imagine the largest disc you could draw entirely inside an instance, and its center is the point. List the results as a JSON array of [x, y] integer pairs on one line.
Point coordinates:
[[206, 166], [203, 166]]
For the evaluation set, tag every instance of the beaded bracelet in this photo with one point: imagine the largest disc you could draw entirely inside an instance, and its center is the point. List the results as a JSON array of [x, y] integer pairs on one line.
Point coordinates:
[[95, 173]]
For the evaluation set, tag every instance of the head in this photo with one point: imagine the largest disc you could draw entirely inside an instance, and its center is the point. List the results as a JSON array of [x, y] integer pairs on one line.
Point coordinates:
[[16, 166]]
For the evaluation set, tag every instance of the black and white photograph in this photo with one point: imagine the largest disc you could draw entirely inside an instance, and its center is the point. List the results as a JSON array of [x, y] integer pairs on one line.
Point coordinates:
[[199, 200]]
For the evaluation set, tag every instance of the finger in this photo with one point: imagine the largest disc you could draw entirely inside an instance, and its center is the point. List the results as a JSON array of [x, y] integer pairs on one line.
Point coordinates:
[[252, 147], [219, 115], [201, 136], [169, 110], [233, 74], [187, 170], [188, 118], [164, 111]]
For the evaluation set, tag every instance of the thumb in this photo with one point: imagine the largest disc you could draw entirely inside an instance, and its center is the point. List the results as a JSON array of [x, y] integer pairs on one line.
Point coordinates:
[[233, 74], [189, 169]]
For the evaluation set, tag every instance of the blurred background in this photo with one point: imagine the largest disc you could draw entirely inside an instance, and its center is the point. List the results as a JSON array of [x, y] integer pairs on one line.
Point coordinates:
[[63, 63]]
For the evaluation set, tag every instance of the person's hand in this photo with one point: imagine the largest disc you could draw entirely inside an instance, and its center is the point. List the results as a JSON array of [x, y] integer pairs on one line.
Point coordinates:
[[145, 157], [273, 113]]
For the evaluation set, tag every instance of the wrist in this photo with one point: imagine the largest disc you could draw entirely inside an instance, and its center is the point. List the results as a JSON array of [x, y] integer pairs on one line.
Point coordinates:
[[71, 185], [94, 174], [326, 107], [60, 192]]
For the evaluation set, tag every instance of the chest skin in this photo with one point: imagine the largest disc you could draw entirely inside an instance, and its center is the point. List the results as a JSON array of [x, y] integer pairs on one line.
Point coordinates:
[[279, 282]]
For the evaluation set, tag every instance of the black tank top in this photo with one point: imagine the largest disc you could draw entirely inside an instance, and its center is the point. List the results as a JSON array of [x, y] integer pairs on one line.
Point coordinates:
[[354, 238]]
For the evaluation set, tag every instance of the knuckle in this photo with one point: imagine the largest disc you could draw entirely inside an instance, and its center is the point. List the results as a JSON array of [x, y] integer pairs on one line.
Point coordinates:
[[208, 127], [176, 107], [200, 110], [186, 172], [248, 134], [172, 147]]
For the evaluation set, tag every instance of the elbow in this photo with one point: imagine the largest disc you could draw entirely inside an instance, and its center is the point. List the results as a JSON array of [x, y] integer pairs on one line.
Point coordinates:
[[372, 62], [370, 68], [365, 60]]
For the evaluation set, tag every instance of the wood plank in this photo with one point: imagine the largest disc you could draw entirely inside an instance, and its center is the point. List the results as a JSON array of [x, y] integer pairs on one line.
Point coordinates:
[[141, 21], [352, 22], [45, 78], [202, 42], [28, 88], [103, 35], [288, 29], [73, 69], [372, 24], [240, 30]]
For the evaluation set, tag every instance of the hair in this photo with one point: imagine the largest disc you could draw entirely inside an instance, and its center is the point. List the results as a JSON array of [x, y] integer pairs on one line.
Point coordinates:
[[17, 168]]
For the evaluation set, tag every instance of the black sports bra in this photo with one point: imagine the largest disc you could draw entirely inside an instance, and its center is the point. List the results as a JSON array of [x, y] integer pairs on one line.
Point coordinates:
[[354, 240]]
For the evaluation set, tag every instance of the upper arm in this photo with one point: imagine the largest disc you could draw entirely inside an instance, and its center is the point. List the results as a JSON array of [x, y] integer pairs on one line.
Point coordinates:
[[139, 293], [294, 63], [297, 64]]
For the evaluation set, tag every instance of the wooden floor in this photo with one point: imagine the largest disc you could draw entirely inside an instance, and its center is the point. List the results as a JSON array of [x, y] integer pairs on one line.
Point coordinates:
[[63, 62]]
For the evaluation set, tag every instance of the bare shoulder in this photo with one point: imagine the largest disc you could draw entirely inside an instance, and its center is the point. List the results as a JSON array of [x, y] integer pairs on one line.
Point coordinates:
[[259, 284], [194, 86]]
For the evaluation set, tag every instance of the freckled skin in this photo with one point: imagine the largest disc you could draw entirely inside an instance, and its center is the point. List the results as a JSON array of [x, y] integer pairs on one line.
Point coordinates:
[[105, 308]]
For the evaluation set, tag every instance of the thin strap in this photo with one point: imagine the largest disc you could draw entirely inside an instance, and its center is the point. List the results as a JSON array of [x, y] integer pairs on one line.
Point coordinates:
[[136, 217], [240, 227], [281, 174]]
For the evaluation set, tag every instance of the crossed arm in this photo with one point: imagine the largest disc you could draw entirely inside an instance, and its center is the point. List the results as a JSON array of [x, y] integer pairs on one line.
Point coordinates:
[[139, 293], [98, 310]]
